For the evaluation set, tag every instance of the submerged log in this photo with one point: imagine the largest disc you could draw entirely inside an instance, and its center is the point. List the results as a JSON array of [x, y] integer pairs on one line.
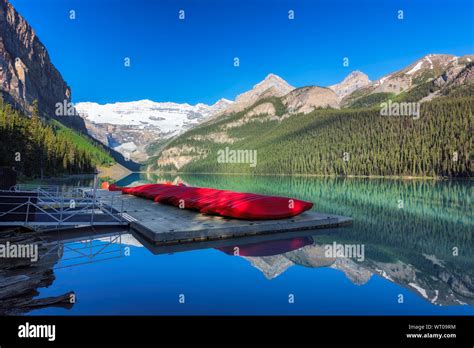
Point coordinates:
[[20, 277], [63, 300]]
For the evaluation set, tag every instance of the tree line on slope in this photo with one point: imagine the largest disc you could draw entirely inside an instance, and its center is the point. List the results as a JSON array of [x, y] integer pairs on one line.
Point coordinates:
[[351, 142], [36, 147]]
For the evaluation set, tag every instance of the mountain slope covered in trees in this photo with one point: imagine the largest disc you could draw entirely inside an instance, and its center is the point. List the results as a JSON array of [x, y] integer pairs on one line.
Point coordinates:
[[334, 142], [37, 147], [342, 130]]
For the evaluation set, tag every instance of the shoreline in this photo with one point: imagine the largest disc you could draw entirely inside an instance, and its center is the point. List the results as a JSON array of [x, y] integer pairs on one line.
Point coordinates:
[[114, 172], [390, 177], [118, 172]]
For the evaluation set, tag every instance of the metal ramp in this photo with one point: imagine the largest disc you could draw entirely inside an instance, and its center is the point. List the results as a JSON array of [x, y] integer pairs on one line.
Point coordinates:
[[56, 207]]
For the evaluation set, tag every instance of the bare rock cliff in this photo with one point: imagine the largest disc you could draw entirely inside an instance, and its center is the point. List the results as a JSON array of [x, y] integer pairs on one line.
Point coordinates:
[[26, 71], [306, 99]]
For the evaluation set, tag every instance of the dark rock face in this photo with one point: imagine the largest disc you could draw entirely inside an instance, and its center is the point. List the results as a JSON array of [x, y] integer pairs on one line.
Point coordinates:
[[26, 71]]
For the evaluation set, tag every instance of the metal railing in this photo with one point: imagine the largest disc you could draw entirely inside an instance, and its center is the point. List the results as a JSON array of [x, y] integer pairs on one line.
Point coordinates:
[[50, 206], [84, 251]]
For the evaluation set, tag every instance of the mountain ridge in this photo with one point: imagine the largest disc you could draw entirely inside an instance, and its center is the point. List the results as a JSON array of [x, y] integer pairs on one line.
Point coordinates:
[[271, 86], [300, 112], [423, 70], [356, 89], [355, 80]]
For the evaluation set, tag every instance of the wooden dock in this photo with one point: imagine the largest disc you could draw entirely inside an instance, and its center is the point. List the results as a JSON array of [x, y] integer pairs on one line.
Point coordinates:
[[164, 224]]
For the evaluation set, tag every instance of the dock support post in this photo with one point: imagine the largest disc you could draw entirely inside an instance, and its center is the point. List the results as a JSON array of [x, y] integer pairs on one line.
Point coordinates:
[[27, 211], [94, 195], [62, 207]]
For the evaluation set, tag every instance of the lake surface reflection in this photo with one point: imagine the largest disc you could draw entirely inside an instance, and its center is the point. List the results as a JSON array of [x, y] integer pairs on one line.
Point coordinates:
[[415, 256]]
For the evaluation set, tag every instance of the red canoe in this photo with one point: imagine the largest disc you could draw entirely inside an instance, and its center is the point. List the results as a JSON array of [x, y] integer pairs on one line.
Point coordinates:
[[270, 248], [248, 206]]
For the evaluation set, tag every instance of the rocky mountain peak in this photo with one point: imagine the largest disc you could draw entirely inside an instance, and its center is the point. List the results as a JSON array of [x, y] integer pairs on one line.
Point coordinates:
[[221, 104], [422, 70], [435, 62], [356, 74], [351, 82], [275, 82], [271, 86], [306, 99]]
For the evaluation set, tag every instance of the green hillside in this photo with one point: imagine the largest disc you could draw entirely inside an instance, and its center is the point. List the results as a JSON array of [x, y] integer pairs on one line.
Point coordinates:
[[98, 153], [437, 144], [371, 100], [37, 147]]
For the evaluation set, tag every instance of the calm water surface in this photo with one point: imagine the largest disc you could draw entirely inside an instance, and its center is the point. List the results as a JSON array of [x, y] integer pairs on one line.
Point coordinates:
[[418, 257]]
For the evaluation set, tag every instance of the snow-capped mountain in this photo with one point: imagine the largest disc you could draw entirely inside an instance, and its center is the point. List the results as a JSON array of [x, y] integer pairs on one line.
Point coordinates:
[[129, 127], [422, 70]]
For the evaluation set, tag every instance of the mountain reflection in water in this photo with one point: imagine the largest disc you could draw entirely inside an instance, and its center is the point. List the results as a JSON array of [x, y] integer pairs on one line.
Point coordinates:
[[416, 233], [423, 250], [438, 281]]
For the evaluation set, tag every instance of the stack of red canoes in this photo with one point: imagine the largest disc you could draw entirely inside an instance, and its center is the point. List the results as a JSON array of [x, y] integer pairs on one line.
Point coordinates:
[[248, 206]]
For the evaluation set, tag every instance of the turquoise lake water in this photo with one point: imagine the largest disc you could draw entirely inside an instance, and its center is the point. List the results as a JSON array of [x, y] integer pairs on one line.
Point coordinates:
[[416, 235]]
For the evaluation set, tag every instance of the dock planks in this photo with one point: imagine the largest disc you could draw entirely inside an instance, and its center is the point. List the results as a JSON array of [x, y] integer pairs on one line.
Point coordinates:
[[164, 224]]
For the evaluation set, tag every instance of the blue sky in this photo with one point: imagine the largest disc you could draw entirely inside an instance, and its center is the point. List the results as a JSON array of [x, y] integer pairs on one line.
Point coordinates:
[[192, 60]]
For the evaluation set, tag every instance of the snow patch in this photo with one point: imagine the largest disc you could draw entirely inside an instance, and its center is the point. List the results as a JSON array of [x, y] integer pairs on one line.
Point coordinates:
[[415, 68], [383, 274], [433, 300], [126, 147], [383, 79], [429, 61], [419, 289], [167, 117]]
